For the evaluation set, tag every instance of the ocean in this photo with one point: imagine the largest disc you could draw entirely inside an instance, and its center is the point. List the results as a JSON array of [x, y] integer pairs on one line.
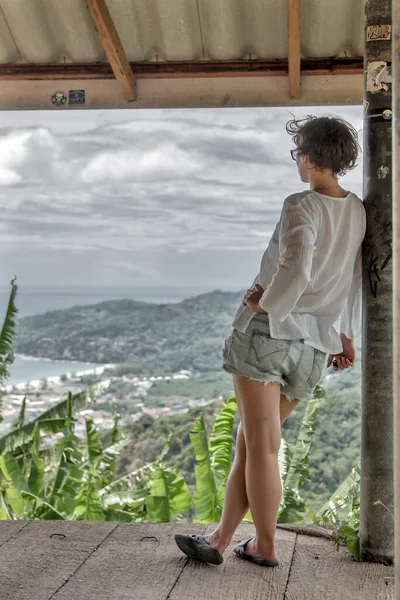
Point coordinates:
[[25, 369]]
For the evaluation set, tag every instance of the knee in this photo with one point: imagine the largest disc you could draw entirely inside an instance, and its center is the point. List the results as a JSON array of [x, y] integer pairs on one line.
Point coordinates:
[[262, 445]]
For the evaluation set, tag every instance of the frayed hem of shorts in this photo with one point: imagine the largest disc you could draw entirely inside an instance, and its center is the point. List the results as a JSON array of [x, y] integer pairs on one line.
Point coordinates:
[[233, 371], [290, 398]]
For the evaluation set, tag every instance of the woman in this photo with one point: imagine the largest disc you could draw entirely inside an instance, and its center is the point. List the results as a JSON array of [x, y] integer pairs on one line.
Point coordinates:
[[284, 331]]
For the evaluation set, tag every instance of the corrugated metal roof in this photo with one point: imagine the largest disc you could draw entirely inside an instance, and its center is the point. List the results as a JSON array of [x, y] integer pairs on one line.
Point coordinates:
[[58, 31], [199, 48]]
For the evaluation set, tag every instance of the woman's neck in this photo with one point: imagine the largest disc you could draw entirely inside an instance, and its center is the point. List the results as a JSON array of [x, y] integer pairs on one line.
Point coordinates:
[[328, 187]]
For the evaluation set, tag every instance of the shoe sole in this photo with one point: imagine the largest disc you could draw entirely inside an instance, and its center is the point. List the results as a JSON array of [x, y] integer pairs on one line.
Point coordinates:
[[198, 550]]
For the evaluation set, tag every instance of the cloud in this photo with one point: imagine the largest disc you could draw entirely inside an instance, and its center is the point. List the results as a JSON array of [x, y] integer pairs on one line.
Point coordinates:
[[139, 196]]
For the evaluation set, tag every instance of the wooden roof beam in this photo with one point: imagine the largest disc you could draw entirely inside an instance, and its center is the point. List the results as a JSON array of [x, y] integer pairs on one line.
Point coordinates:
[[294, 26], [189, 69], [114, 50]]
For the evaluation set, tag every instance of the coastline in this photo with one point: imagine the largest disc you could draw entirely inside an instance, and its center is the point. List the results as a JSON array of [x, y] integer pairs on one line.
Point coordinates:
[[55, 380], [54, 360]]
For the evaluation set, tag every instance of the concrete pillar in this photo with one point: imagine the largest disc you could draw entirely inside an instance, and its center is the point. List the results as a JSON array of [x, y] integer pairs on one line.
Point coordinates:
[[376, 522], [396, 281]]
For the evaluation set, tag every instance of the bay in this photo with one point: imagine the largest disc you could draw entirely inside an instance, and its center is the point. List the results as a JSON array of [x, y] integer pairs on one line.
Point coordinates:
[[26, 369]]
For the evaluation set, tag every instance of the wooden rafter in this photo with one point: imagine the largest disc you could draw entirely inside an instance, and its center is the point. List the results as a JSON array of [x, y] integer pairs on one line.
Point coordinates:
[[184, 69], [111, 43], [294, 17]]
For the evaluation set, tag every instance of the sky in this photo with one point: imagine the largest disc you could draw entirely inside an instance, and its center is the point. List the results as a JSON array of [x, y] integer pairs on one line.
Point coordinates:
[[160, 198]]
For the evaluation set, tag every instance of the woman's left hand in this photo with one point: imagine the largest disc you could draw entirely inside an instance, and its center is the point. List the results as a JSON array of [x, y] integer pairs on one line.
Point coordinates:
[[252, 298]]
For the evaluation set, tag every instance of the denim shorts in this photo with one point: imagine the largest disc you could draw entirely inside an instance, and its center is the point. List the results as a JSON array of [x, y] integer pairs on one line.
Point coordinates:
[[255, 355]]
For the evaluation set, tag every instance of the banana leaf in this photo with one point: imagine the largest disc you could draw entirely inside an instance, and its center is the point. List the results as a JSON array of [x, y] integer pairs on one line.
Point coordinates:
[[67, 483], [116, 433], [94, 445], [121, 499], [7, 337], [49, 512], [15, 484], [130, 478], [293, 507], [50, 421], [107, 464], [158, 509], [130, 502], [205, 495], [69, 475], [341, 497], [298, 464], [5, 514], [169, 494], [283, 459], [36, 475], [220, 446], [119, 515], [20, 420], [112, 452], [89, 506]]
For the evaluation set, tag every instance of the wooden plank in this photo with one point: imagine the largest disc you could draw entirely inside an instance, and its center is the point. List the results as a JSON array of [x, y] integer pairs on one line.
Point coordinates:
[[44, 554], [111, 43], [183, 69], [137, 562], [320, 571], [294, 28], [236, 579], [9, 529]]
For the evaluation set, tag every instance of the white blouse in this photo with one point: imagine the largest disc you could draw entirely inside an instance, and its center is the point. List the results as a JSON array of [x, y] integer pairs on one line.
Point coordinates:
[[311, 271]]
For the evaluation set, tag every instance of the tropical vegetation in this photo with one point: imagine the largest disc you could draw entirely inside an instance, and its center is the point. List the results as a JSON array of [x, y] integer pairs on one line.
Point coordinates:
[[47, 472]]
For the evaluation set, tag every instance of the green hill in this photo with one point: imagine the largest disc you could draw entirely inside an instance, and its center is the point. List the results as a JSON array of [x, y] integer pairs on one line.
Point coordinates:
[[161, 338]]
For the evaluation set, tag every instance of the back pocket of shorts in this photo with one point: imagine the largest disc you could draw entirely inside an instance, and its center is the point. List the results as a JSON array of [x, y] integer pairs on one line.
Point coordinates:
[[266, 353], [226, 347], [317, 368]]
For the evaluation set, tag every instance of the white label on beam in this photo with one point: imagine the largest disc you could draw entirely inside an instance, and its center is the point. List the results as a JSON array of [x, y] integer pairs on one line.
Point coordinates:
[[379, 32]]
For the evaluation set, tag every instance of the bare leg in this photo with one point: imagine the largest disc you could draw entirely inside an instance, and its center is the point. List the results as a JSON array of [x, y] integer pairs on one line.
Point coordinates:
[[236, 502], [259, 406]]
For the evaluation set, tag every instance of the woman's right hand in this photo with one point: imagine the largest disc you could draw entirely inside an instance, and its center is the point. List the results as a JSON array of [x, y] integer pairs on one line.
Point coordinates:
[[346, 358], [252, 296], [247, 294]]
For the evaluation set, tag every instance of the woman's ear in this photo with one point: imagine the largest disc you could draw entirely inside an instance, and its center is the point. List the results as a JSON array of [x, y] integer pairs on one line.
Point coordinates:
[[306, 162]]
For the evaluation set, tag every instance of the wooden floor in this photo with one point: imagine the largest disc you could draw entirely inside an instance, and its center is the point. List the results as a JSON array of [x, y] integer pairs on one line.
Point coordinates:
[[67, 560]]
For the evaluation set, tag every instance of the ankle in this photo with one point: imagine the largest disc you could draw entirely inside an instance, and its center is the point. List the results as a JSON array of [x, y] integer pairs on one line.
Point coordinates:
[[265, 547], [218, 540]]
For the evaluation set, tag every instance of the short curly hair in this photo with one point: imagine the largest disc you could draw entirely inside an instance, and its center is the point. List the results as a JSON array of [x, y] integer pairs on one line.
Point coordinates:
[[328, 142]]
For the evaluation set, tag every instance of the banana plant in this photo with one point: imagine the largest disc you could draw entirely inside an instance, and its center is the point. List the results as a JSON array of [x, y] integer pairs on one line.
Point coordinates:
[[89, 506], [169, 494], [50, 422], [292, 506], [20, 420], [155, 492], [7, 337], [72, 491], [346, 498], [213, 462]]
